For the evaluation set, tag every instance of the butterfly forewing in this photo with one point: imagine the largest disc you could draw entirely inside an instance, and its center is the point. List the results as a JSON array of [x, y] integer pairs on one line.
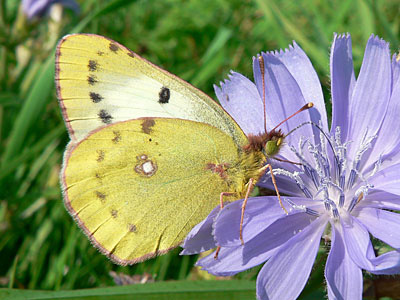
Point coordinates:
[[100, 82]]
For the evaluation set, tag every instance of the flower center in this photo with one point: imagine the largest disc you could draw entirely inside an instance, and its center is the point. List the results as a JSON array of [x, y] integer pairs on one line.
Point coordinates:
[[329, 176]]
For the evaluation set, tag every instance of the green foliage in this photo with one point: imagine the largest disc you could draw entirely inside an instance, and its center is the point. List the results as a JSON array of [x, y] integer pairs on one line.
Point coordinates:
[[200, 41], [194, 290]]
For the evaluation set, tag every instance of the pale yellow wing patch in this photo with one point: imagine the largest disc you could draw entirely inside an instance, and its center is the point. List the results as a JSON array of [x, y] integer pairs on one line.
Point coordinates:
[[100, 82], [138, 187]]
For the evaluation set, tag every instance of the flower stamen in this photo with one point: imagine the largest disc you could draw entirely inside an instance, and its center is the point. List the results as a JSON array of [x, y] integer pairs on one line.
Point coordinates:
[[365, 145], [317, 166]]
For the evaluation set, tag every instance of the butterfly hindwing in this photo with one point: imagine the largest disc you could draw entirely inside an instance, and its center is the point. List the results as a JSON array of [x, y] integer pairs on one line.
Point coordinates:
[[137, 187]]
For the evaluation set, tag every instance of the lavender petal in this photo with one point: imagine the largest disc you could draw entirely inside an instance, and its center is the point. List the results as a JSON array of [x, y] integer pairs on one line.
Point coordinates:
[[342, 81], [382, 224], [343, 276], [299, 65], [240, 98], [286, 273], [373, 87], [200, 238]]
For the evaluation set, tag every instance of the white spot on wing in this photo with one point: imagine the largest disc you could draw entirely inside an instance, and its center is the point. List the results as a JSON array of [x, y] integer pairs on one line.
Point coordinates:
[[148, 167], [145, 166]]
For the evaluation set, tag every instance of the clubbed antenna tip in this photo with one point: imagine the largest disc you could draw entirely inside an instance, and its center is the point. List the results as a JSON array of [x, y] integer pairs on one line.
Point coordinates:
[[307, 106]]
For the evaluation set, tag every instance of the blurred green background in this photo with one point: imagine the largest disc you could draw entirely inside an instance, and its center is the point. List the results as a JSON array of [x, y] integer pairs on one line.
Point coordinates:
[[200, 41]]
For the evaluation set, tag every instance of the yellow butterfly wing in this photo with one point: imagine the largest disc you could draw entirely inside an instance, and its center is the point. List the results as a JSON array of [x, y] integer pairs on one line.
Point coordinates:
[[137, 187], [101, 82]]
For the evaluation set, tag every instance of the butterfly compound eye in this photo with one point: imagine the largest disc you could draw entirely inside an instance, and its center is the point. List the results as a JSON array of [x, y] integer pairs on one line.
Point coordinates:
[[272, 147]]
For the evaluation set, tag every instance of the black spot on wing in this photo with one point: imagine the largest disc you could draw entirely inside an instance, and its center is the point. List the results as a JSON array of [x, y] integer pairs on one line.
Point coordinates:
[[114, 47], [131, 54], [100, 155], [93, 65], [105, 117], [96, 98], [132, 227], [117, 136], [101, 196], [100, 53], [147, 125], [91, 79], [163, 96]]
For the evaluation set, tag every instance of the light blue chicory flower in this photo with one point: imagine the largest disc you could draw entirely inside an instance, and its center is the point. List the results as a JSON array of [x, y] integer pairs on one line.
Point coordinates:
[[345, 190], [38, 8]]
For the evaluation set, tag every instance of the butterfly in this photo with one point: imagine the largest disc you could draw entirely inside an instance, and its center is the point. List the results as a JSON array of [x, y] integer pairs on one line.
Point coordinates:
[[150, 155]]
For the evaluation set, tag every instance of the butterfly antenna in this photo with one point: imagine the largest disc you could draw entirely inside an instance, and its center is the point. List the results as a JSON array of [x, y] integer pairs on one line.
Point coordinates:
[[262, 69], [305, 107], [321, 130]]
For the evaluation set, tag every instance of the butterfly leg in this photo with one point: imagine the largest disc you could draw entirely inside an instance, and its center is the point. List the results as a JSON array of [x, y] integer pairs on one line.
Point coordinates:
[[276, 188], [217, 252], [249, 189], [288, 161], [221, 205]]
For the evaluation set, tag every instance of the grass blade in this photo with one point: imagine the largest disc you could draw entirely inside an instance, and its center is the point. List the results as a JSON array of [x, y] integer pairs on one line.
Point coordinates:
[[179, 290]]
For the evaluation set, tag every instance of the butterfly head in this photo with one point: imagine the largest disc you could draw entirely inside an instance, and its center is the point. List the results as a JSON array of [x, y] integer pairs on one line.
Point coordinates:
[[272, 146], [268, 143]]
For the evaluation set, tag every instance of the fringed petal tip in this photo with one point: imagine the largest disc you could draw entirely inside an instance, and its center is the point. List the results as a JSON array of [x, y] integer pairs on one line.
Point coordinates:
[[375, 39], [277, 52], [341, 36]]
